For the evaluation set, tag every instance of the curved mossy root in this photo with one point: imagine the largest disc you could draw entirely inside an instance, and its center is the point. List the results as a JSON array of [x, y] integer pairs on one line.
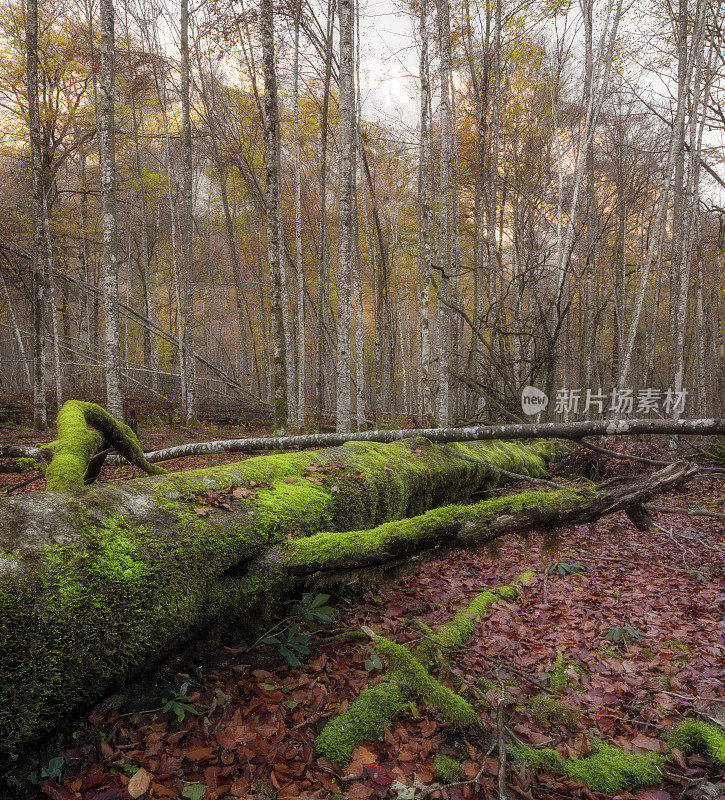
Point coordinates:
[[81, 429], [344, 733]]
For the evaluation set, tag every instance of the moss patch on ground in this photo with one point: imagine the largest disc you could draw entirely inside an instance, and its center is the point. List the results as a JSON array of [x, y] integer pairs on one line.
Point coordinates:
[[364, 720], [695, 736], [608, 770], [447, 769]]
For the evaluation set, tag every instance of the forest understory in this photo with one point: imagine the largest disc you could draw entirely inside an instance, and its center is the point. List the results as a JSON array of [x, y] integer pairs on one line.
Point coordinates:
[[617, 638]]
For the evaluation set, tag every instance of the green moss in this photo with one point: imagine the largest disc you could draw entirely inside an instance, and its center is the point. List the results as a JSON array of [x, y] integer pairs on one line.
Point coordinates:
[[413, 533], [364, 720], [547, 710], [406, 669], [89, 601], [80, 426], [454, 632], [447, 769], [608, 770], [558, 675], [30, 465], [695, 736]]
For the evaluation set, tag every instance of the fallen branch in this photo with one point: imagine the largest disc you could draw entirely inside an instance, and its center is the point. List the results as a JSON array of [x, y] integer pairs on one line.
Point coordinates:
[[548, 430], [687, 512]]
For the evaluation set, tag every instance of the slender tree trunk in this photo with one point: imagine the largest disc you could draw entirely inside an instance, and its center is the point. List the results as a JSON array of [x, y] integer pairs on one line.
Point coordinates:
[[16, 332], [187, 228], [272, 166], [345, 200], [446, 205], [322, 245], [301, 356], [107, 163], [31, 71], [424, 221]]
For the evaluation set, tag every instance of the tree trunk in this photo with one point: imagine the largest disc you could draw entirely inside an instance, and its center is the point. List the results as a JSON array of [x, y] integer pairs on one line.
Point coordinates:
[[446, 205], [301, 356], [107, 163], [40, 418], [170, 556], [548, 430], [272, 165], [345, 201], [187, 229], [424, 222]]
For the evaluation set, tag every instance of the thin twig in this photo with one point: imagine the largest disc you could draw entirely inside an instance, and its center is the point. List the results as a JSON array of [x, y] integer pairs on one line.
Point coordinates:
[[15, 486], [688, 512], [499, 470]]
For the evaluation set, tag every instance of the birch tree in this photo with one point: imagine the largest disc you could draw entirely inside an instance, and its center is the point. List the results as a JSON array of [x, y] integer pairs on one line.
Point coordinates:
[[424, 218], [107, 163], [272, 171], [446, 206], [40, 418], [346, 222], [188, 362]]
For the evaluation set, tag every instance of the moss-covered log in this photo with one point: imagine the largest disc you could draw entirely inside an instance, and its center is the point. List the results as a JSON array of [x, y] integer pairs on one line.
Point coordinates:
[[97, 581]]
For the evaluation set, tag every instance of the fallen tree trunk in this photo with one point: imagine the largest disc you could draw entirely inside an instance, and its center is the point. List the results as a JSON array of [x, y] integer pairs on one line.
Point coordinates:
[[95, 583], [549, 430]]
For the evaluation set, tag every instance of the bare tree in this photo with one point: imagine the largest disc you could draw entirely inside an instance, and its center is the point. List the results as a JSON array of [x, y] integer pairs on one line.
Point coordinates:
[[31, 71], [272, 168], [345, 200], [107, 162]]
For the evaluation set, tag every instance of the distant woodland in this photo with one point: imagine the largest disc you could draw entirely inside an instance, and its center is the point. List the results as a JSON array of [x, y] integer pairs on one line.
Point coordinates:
[[198, 209]]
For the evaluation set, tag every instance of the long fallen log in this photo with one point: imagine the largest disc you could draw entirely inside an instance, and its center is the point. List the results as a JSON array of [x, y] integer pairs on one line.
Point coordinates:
[[549, 430], [96, 582]]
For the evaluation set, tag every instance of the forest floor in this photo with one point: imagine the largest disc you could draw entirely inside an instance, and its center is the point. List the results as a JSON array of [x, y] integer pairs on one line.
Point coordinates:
[[637, 616]]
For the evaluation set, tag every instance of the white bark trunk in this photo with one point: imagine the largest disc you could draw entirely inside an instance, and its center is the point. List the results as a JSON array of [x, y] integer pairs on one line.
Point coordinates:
[[345, 200], [107, 164]]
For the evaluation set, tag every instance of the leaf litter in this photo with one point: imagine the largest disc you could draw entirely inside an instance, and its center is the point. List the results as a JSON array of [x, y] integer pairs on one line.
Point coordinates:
[[252, 731]]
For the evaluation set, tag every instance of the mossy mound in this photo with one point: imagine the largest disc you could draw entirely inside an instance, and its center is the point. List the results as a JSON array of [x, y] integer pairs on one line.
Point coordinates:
[[608, 770], [364, 720], [447, 769], [695, 736], [547, 710]]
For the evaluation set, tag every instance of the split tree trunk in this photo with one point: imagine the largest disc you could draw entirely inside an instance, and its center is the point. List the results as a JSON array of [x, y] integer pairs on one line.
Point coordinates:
[[95, 585]]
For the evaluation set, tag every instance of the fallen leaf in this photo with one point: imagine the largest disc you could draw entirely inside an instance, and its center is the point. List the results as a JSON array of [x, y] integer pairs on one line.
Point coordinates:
[[139, 783]]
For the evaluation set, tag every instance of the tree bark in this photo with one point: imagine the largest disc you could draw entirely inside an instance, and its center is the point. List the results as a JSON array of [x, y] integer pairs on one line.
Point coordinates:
[[188, 361], [345, 201], [40, 418], [107, 163], [272, 166]]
